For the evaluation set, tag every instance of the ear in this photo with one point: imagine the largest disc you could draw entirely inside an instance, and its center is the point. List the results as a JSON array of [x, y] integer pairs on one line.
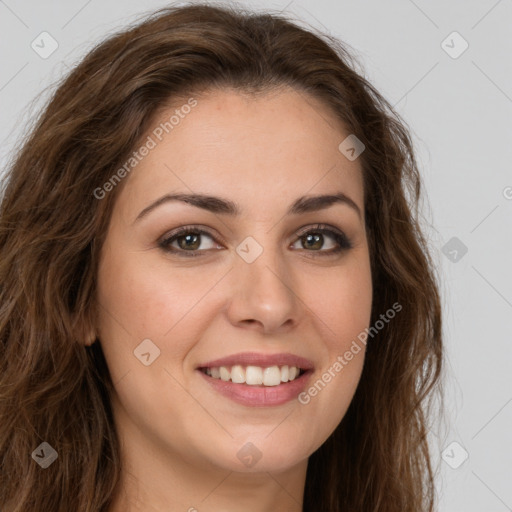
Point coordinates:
[[84, 329], [90, 339]]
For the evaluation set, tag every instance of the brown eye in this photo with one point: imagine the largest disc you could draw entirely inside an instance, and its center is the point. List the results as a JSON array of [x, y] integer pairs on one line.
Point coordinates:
[[314, 241], [187, 241]]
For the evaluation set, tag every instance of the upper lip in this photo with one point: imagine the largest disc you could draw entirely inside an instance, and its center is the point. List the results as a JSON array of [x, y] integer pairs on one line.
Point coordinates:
[[259, 359]]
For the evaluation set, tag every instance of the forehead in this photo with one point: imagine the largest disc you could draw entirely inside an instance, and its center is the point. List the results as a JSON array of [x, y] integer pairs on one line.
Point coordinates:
[[257, 148]]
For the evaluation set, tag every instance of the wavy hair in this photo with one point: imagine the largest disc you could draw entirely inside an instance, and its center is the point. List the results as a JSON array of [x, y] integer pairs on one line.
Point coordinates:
[[53, 388]]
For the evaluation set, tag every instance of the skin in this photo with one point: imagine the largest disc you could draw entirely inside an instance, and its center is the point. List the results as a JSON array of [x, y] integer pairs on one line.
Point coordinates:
[[180, 438]]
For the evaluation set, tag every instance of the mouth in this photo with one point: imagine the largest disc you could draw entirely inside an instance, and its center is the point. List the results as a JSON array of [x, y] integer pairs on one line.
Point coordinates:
[[254, 375], [258, 380]]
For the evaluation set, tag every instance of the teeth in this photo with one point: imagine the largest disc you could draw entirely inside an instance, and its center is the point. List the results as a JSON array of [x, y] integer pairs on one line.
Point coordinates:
[[237, 374], [254, 375], [272, 376]]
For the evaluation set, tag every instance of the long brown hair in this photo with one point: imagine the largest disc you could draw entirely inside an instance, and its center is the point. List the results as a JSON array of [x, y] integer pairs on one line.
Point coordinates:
[[54, 389]]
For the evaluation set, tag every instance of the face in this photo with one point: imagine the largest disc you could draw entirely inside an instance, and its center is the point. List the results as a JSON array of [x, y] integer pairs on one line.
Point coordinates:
[[263, 275]]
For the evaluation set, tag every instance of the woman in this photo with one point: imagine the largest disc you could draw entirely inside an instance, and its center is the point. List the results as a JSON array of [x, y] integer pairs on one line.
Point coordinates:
[[215, 291]]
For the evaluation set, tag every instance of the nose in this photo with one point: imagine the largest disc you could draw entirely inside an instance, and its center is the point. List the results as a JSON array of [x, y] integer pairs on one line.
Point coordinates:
[[264, 294]]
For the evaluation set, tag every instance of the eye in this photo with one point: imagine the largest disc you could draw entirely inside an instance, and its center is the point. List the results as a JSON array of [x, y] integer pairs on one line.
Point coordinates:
[[187, 241], [314, 239]]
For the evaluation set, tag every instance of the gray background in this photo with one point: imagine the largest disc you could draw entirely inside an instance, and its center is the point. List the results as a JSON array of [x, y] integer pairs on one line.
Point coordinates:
[[459, 110]]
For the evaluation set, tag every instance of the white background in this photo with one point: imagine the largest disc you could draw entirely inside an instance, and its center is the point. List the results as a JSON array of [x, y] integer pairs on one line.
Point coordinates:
[[459, 111]]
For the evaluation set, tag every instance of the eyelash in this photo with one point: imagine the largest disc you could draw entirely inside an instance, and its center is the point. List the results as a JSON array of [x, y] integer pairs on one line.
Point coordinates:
[[340, 238]]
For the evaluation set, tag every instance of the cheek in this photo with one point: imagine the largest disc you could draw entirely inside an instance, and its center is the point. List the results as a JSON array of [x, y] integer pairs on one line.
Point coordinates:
[[148, 298], [341, 307], [341, 304], [142, 299]]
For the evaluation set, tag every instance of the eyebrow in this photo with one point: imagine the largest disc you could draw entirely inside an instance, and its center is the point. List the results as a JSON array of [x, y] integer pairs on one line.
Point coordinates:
[[218, 205]]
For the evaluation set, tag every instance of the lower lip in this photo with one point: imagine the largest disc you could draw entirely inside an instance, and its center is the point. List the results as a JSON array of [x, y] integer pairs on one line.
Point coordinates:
[[259, 396]]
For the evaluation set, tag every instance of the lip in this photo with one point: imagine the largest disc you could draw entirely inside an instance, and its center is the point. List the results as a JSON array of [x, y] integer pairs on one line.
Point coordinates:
[[259, 359], [259, 396]]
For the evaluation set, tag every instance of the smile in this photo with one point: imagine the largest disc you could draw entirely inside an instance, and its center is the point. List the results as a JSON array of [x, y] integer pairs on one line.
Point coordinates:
[[255, 375]]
